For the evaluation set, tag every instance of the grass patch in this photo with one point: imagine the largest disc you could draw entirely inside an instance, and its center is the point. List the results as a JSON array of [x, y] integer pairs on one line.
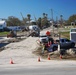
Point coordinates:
[[65, 34], [3, 33]]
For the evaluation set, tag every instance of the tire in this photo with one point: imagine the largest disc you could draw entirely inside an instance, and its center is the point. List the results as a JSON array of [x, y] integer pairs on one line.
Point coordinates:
[[73, 45]]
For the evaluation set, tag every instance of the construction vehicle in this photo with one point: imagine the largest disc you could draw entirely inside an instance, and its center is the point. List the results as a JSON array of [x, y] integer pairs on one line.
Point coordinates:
[[34, 30], [12, 34]]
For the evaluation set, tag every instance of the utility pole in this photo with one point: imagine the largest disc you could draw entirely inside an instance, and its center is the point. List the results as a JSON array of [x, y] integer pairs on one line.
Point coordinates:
[[52, 20], [57, 24], [35, 19], [56, 19], [59, 32], [61, 20], [52, 14]]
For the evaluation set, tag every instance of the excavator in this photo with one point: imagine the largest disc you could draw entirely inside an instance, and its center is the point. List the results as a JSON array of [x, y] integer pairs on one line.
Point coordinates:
[[12, 34]]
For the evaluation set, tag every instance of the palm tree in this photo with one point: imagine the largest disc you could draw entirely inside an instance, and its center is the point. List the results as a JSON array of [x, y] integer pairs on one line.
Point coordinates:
[[39, 22], [28, 16], [61, 20], [44, 15]]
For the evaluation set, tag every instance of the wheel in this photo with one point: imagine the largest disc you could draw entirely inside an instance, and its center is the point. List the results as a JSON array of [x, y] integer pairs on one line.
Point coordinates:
[[72, 45]]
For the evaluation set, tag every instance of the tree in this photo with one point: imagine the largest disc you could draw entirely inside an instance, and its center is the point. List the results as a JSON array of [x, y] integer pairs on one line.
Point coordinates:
[[72, 19], [13, 21], [39, 23], [44, 15], [61, 20], [28, 16], [44, 20]]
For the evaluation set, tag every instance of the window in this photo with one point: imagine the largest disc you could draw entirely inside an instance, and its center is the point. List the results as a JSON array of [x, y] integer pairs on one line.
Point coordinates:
[[0, 25], [67, 40], [73, 30], [62, 40]]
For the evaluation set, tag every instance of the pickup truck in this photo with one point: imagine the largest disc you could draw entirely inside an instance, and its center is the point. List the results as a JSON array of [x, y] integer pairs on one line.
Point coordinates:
[[64, 44]]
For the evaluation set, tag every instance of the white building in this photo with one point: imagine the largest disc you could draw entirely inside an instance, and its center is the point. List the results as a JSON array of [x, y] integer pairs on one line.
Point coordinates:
[[73, 34], [2, 24]]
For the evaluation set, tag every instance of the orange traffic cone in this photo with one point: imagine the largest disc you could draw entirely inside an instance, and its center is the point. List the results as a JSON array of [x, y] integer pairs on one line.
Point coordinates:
[[48, 57], [60, 56], [38, 59], [11, 61]]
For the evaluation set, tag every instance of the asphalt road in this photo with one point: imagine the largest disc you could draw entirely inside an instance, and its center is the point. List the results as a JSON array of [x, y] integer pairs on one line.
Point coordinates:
[[39, 70]]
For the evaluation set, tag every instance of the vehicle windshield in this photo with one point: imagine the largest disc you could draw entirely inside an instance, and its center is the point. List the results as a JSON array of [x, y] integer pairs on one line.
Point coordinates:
[[67, 40]]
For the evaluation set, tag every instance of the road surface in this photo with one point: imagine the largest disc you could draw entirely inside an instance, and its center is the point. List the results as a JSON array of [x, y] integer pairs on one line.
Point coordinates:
[[69, 69]]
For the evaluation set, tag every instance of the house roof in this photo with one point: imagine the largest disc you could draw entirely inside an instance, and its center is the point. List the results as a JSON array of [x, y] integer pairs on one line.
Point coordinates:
[[2, 22]]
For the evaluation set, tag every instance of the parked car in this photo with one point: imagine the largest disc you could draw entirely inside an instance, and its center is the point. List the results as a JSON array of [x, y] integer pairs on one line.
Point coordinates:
[[43, 39], [64, 44]]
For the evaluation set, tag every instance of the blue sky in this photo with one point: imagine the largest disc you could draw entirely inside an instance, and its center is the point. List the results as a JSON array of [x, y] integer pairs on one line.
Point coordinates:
[[37, 8]]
